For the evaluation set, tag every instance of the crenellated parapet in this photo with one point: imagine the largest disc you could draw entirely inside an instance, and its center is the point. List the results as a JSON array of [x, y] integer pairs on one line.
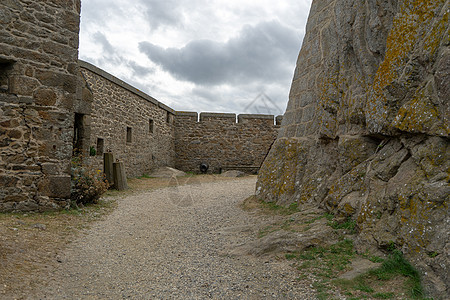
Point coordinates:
[[223, 140]]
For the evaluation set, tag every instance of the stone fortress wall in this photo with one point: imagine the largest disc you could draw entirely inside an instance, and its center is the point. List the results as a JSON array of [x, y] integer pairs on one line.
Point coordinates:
[[222, 143], [38, 95], [146, 134], [53, 107], [135, 127]]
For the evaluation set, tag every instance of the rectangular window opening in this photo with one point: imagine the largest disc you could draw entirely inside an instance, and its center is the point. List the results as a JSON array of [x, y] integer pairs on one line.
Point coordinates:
[[100, 146], [6, 67], [151, 127], [129, 137], [168, 118]]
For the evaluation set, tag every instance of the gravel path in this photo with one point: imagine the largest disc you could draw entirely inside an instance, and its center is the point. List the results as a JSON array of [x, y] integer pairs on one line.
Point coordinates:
[[172, 243]]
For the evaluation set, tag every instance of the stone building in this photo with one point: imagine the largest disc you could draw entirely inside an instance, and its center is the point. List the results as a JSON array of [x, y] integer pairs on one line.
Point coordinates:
[[53, 106], [38, 92]]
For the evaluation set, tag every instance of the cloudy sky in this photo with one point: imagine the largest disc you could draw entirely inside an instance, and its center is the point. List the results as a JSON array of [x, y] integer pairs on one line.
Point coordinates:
[[199, 55]]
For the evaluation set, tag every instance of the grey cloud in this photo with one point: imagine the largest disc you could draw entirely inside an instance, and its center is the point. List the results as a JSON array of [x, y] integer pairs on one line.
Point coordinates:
[[103, 41], [266, 51], [167, 12], [140, 70]]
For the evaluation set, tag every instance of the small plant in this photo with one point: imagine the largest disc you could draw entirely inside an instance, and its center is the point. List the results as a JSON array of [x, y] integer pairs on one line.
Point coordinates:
[[433, 254], [349, 224], [92, 151], [144, 176], [88, 184]]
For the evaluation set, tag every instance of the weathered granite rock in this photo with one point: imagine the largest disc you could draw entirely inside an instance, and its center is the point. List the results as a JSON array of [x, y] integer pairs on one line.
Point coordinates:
[[366, 131]]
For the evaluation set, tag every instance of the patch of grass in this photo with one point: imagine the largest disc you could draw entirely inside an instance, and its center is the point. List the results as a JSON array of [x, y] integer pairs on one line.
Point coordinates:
[[290, 256], [322, 290], [396, 264], [376, 259], [393, 277], [144, 176], [393, 268], [433, 254], [279, 209], [349, 225]]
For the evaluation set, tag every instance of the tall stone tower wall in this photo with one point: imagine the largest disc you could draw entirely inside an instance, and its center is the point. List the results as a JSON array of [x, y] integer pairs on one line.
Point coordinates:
[[366, 131], [38, 89]]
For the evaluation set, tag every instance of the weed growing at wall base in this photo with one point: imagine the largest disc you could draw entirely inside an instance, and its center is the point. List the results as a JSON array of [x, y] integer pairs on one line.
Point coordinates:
[[88, 184]]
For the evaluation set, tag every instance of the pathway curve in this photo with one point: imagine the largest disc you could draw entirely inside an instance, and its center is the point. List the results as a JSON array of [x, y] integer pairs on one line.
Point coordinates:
[[172, 243]]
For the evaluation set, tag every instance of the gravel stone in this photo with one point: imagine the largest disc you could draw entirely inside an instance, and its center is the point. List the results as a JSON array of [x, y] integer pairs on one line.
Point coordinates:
[[175, 243]]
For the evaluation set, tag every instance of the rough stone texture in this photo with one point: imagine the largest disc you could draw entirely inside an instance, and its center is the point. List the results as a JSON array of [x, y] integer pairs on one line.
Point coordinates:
[[366, 131], [117, 106], [38, 83], [217, 140]]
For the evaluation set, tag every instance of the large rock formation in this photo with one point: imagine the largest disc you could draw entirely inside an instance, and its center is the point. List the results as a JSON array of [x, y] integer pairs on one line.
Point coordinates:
[[366, 131]]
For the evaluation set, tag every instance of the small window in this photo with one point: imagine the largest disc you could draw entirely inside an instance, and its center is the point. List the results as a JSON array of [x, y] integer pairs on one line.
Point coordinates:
[[129, 139], [100, 146], [151, 126], [5, 68], [168, 118]]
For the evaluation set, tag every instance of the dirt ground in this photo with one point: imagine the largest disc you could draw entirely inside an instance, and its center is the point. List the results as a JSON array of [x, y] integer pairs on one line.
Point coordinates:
[[30, 243]]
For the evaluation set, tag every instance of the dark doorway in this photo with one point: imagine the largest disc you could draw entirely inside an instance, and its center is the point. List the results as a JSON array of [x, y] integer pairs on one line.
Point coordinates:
[[78, 134]]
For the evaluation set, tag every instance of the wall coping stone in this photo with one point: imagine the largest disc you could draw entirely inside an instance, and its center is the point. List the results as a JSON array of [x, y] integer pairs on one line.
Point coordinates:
[[121, 83], [217, 115], [186, 113], [256, 116], [165, 107]]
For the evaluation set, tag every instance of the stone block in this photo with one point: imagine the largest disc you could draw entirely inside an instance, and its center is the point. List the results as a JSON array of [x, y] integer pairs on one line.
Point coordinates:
[[50, 168], [22, 85], [45, 97], [59, 186], [8, 181]]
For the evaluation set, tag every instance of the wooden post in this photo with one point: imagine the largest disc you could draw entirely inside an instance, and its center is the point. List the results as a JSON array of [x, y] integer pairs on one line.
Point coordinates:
[[108, 159], [120, 179]]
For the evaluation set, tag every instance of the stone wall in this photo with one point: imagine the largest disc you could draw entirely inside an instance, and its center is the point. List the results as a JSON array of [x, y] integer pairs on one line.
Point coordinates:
[[38, 88], [366, 131], [222, 143], [135, 127]]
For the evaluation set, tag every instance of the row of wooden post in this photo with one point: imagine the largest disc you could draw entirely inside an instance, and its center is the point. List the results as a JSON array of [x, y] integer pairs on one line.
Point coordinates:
[[115, 172]]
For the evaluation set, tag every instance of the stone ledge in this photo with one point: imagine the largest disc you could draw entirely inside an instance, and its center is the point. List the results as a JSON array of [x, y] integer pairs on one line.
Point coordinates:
[[166, 108], [186, 114], [217, 115], [256, 116]]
